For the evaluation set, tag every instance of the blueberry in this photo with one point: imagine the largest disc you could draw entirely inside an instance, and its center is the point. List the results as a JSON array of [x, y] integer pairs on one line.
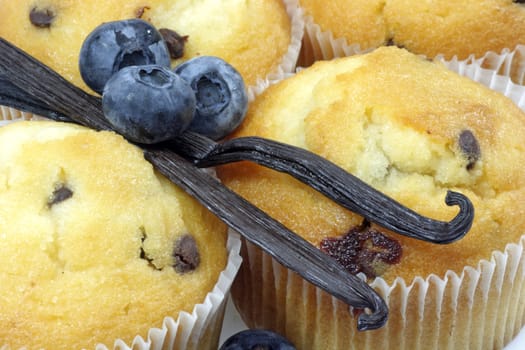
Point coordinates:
[[221, 95], [115, 45], [257, 339], [148, 104]]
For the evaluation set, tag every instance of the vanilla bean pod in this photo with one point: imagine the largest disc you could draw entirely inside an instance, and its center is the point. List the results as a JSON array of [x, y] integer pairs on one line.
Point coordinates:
[[289, 249], [61, 100], [331, 180], [12, 96]]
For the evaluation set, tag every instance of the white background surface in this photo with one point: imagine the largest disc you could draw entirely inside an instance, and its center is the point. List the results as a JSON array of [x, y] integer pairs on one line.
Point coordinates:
[[233, 324]]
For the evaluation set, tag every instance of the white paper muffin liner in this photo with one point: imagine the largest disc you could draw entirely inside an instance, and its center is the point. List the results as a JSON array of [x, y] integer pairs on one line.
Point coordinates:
[[322, 45], [289, 61], [508, 63], [481, 307], [7, 113]]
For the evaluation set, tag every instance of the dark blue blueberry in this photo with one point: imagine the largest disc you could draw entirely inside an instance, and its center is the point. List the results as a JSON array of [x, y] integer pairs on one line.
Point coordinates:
[[115, 45], [148, 104], [257, 339], [221, 95]]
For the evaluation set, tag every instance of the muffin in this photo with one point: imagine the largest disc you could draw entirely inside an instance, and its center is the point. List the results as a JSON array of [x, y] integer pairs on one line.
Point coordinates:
[[259, 38], [456, 29], [341, 28], [430, 28], [99, 249], [413, 130]]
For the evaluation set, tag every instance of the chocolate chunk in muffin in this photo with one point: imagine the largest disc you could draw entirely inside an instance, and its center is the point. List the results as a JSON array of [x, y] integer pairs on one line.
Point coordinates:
[[469, 147], [186, 254], [60, 194], [42, 18]]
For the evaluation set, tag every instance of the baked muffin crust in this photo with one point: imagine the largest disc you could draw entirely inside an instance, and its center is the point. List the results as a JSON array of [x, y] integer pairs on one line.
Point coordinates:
[[398, 122], [253, 36], [450, 28], [102, 261]]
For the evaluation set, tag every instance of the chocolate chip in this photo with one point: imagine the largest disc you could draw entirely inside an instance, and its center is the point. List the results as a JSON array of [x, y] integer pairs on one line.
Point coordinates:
[[140, 11], [468, 144], [41, 18], [519, 1], [174, 41], [60, 194], [363, 249], [186, 254]]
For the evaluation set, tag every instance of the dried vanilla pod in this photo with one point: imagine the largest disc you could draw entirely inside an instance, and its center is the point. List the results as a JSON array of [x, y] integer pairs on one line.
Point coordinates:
[[62, 101], [333, 182]]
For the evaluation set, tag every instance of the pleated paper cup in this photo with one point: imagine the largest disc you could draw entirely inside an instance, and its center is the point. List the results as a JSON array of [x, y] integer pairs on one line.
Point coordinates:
[[289, 61], [479, 307], [8, 113], [319, 44], [508, 63]]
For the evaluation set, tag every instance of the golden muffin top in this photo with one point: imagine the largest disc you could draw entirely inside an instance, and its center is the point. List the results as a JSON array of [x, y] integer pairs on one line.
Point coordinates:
[[424, 27], [411, 129], [95, 245], [253, 36]]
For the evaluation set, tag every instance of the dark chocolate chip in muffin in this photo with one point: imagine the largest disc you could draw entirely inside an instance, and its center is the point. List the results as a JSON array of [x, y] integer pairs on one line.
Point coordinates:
[[42, 18], [140, 11], [363, 249], [519, 1], [186, 254], [60, 194], [469, 146], [174, 41]]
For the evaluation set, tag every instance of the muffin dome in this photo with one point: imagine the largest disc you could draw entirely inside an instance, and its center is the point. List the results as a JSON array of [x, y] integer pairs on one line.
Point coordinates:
[[253, 36], [456, 28], [451, 28], [358, 21], [96, 245], [413, 130], [409, 128]]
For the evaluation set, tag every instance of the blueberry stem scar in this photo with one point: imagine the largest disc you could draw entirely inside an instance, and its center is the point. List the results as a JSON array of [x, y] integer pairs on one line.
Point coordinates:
[[331, 180], [52, 96]]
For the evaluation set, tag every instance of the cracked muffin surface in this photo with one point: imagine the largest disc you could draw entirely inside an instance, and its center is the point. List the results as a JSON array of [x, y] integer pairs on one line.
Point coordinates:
[[97, 245], [411, 129]]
